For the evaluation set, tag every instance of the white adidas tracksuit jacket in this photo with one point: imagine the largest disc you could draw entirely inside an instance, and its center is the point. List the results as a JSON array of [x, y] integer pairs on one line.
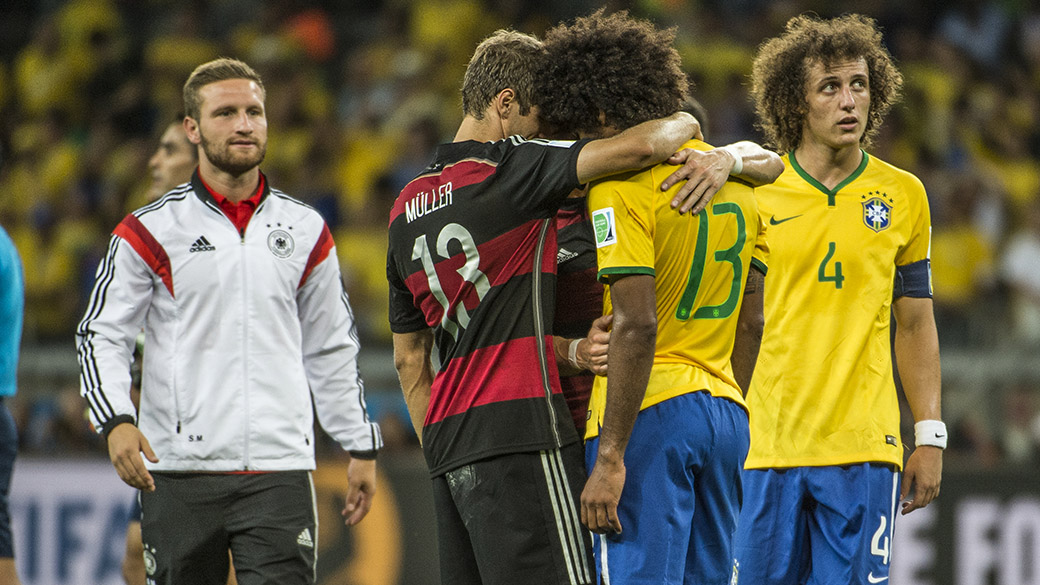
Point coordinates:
[[242, 330]]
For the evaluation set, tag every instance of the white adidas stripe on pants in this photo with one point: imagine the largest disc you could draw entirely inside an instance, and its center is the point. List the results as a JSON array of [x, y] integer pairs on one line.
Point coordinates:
[[568, 524]]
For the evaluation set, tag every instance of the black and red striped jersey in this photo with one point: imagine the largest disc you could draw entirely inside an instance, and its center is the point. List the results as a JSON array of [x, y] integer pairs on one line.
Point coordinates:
[[472, 254], [579, 296]]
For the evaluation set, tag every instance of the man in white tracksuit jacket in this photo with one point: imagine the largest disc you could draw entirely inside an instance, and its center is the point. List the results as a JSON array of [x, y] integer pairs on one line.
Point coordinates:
[[248, 329]]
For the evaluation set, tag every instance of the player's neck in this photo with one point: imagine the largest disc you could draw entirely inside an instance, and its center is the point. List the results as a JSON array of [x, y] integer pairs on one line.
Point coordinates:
[[236, 188], [487, 129], [828, 165]]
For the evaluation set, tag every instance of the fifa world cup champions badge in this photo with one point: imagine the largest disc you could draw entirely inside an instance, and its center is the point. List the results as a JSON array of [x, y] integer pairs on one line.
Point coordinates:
[[604, 227], [877, 210]]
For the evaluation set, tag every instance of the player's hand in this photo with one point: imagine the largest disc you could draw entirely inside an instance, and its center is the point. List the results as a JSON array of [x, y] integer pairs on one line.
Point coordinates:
[[705, 172], [126, 443], [361, 488], [599, 499], [923, 474], [592, 355]]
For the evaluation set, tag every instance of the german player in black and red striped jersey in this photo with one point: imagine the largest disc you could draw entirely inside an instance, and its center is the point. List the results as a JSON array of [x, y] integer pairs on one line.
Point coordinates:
[[472, 269]]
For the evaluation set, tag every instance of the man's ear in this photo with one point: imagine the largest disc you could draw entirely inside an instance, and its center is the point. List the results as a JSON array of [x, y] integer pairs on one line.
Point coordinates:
[[191, 128], [505, 102]]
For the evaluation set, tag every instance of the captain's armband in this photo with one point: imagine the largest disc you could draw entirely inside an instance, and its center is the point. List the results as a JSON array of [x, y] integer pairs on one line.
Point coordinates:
[[914, 280]]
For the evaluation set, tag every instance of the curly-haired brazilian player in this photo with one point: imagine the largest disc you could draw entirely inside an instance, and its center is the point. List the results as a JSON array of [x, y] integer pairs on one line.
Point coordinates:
[[668, 429], [849, 245]]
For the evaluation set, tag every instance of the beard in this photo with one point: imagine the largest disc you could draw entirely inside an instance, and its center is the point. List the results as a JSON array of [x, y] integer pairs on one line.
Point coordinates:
[[234, 164]]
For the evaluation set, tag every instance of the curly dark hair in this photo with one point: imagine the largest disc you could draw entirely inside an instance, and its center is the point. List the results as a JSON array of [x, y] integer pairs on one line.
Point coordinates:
[[618, 65], [778, 76]]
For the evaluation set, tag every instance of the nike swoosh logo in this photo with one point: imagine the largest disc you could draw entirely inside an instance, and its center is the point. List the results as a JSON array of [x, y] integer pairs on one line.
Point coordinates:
[[774, 221], [873, 579]]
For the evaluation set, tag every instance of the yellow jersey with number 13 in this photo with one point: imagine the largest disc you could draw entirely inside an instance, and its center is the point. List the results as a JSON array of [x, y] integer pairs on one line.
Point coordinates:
[[699, 264], [823, 391]]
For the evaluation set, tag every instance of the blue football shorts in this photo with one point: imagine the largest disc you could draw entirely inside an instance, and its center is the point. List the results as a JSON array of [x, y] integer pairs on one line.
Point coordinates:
[[816, 525], [682, 493]]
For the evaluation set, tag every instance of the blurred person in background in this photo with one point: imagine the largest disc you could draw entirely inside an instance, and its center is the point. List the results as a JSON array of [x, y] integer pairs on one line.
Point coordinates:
[[12, 305], [1020, 270], [233, 373], [173, 162], [1020, 424], [848, 248]]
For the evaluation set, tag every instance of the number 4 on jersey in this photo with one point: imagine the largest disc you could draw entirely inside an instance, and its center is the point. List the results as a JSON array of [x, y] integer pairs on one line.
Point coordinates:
[[836, 277]]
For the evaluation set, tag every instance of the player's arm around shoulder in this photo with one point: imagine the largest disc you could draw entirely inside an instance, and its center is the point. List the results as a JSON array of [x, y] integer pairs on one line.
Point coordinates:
[[637, 147], [917, 356], [706, 170]]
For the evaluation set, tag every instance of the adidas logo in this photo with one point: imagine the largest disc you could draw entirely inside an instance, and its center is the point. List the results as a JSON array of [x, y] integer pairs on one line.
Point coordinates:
[[304, 539], [564, 255], [202, 245]]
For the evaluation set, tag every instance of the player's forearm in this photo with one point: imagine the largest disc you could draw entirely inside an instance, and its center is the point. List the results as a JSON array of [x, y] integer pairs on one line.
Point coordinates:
[[631, 357], [665, 136], [758, 166], [562, 349], [917, 357], [638, 147], [415, 373], [750, 324]]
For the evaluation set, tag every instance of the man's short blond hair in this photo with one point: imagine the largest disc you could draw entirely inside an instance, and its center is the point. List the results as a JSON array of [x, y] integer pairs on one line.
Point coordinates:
[[506, 59], [217, 70]]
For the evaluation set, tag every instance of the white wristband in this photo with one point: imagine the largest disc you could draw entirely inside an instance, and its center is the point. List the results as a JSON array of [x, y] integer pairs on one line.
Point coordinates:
[[738, 165], [931, 433], [572, 353]]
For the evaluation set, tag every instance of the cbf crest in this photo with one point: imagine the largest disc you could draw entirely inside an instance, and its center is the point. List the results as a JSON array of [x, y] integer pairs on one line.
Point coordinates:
[[877, 210]]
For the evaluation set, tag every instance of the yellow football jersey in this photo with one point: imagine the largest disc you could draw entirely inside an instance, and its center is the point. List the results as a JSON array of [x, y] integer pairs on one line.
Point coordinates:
[[700, 265], [823, 392]]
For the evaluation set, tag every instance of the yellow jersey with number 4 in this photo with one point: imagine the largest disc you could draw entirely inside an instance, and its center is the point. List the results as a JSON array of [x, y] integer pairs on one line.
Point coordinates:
[[823, 392], [700, 265]]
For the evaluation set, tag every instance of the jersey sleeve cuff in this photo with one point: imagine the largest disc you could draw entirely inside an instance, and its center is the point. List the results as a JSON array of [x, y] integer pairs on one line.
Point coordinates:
[[606, 274], [364, 455], [760, 266], [114, 422]]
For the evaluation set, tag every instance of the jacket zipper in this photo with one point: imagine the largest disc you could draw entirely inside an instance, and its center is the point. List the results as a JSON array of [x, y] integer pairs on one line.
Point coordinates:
[[245, 347], [245, 334]]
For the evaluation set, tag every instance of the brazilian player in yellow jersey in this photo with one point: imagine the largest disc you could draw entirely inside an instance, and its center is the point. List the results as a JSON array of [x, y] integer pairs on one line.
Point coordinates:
[[849, 245], [668, 431], [698, 267]]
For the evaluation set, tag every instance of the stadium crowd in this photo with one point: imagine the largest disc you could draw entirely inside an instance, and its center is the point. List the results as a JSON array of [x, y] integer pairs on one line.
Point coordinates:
[[360, 92]]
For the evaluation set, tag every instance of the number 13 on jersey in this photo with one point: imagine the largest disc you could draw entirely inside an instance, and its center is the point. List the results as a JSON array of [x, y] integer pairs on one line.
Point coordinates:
[[469, 271]]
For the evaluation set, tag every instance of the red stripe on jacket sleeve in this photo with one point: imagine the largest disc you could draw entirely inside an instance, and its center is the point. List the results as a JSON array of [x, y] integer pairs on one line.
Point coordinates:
[[147, 247], [319, 253]]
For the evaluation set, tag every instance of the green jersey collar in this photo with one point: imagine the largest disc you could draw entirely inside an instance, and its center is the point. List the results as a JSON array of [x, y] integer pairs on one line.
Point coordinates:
[[830, 193]]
